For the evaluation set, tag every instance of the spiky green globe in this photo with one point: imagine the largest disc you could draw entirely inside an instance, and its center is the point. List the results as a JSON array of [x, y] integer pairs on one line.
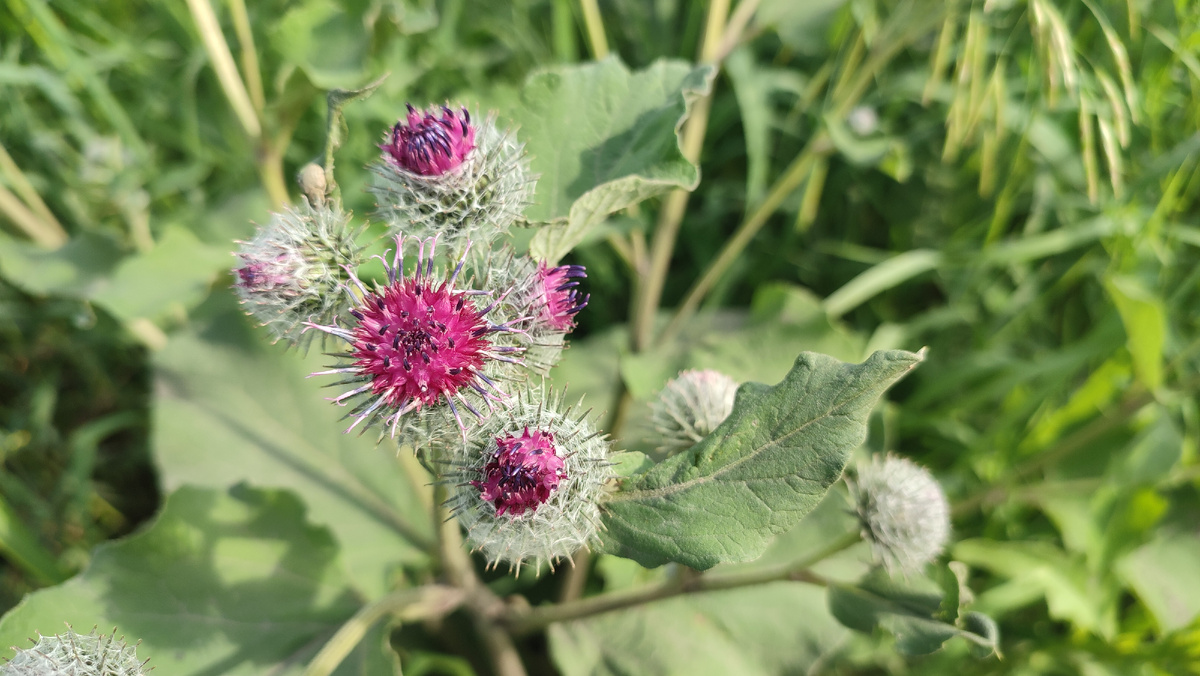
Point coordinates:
[[519, 505], [691, 406], [293, 270], [473, 198], [71, 654], [903, 512]]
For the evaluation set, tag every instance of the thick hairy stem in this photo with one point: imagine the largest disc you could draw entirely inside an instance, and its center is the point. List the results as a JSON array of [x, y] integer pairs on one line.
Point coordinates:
[[481, 604]]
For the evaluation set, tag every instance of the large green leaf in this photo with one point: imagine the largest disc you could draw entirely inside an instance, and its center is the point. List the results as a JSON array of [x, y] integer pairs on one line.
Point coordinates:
[[769, 629], [603, 138], [759, 472], [912, 610], [1040, 570], [171, 278], [230, 582], [231, 409], [1166, 578]]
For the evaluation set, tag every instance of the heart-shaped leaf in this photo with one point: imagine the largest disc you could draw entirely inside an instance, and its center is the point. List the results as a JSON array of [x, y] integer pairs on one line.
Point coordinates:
[[759, 472]]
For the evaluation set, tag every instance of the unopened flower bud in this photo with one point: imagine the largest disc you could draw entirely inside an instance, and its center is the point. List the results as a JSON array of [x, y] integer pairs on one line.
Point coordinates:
[[903, 512], [528, 487], [445, 173], [313, 183], [293, 269], [71, 654], [691, 406]]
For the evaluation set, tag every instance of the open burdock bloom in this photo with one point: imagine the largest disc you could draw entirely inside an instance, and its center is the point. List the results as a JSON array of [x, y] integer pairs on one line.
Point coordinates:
[[420, 344], [429, 144], [522, 473], [560, 296], [544, 302], [528, 486], [445, 172]]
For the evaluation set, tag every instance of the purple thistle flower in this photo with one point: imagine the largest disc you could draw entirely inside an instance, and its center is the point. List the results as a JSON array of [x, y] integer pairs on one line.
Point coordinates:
[[560, 299], [522, 473], [418, 342], [428, 145], [261, 275]]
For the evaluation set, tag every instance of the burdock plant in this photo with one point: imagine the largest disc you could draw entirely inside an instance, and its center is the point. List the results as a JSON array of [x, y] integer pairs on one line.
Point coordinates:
[[445, 356]]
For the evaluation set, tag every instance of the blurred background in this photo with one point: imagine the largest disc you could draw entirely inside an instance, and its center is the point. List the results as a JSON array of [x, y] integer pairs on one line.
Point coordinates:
[[1011, 183]]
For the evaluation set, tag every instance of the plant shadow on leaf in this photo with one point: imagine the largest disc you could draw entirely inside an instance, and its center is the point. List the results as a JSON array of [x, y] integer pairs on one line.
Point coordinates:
[[233, 410], [223, 582]]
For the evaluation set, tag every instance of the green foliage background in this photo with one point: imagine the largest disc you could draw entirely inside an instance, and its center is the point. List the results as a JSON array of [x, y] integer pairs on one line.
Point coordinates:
[[1013, 184]]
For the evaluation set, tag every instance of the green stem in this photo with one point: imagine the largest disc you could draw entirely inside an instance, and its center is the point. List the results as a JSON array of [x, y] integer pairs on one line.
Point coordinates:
[[28, 222], [223, 64], [791, 179], [250, 68], [41, 225], [481, 604], [575, 577], [675, 207], [595, 29], [407, 605], [539, 618]]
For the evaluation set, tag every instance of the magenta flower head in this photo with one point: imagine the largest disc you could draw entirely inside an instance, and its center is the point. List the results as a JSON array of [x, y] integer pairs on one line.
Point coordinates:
[[529, 485], [429, 145], [446, 173], [522, 473], [421, 344], [543, 304], [560, 297], [292, 270]]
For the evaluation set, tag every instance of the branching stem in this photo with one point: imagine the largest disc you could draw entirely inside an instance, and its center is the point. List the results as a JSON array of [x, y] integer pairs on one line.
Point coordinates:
[[536, 619]]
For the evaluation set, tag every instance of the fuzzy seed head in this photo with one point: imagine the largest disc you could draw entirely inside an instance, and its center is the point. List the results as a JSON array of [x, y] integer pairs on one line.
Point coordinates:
[[429, 145], [560, 298], [437, 178], [691, 406], [528, 487], [421, 343], [71, 654], [903, 512], [293, 270]]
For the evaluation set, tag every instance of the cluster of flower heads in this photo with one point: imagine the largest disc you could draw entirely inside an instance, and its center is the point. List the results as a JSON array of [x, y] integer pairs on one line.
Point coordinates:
[[438, 354], [71, 654]]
